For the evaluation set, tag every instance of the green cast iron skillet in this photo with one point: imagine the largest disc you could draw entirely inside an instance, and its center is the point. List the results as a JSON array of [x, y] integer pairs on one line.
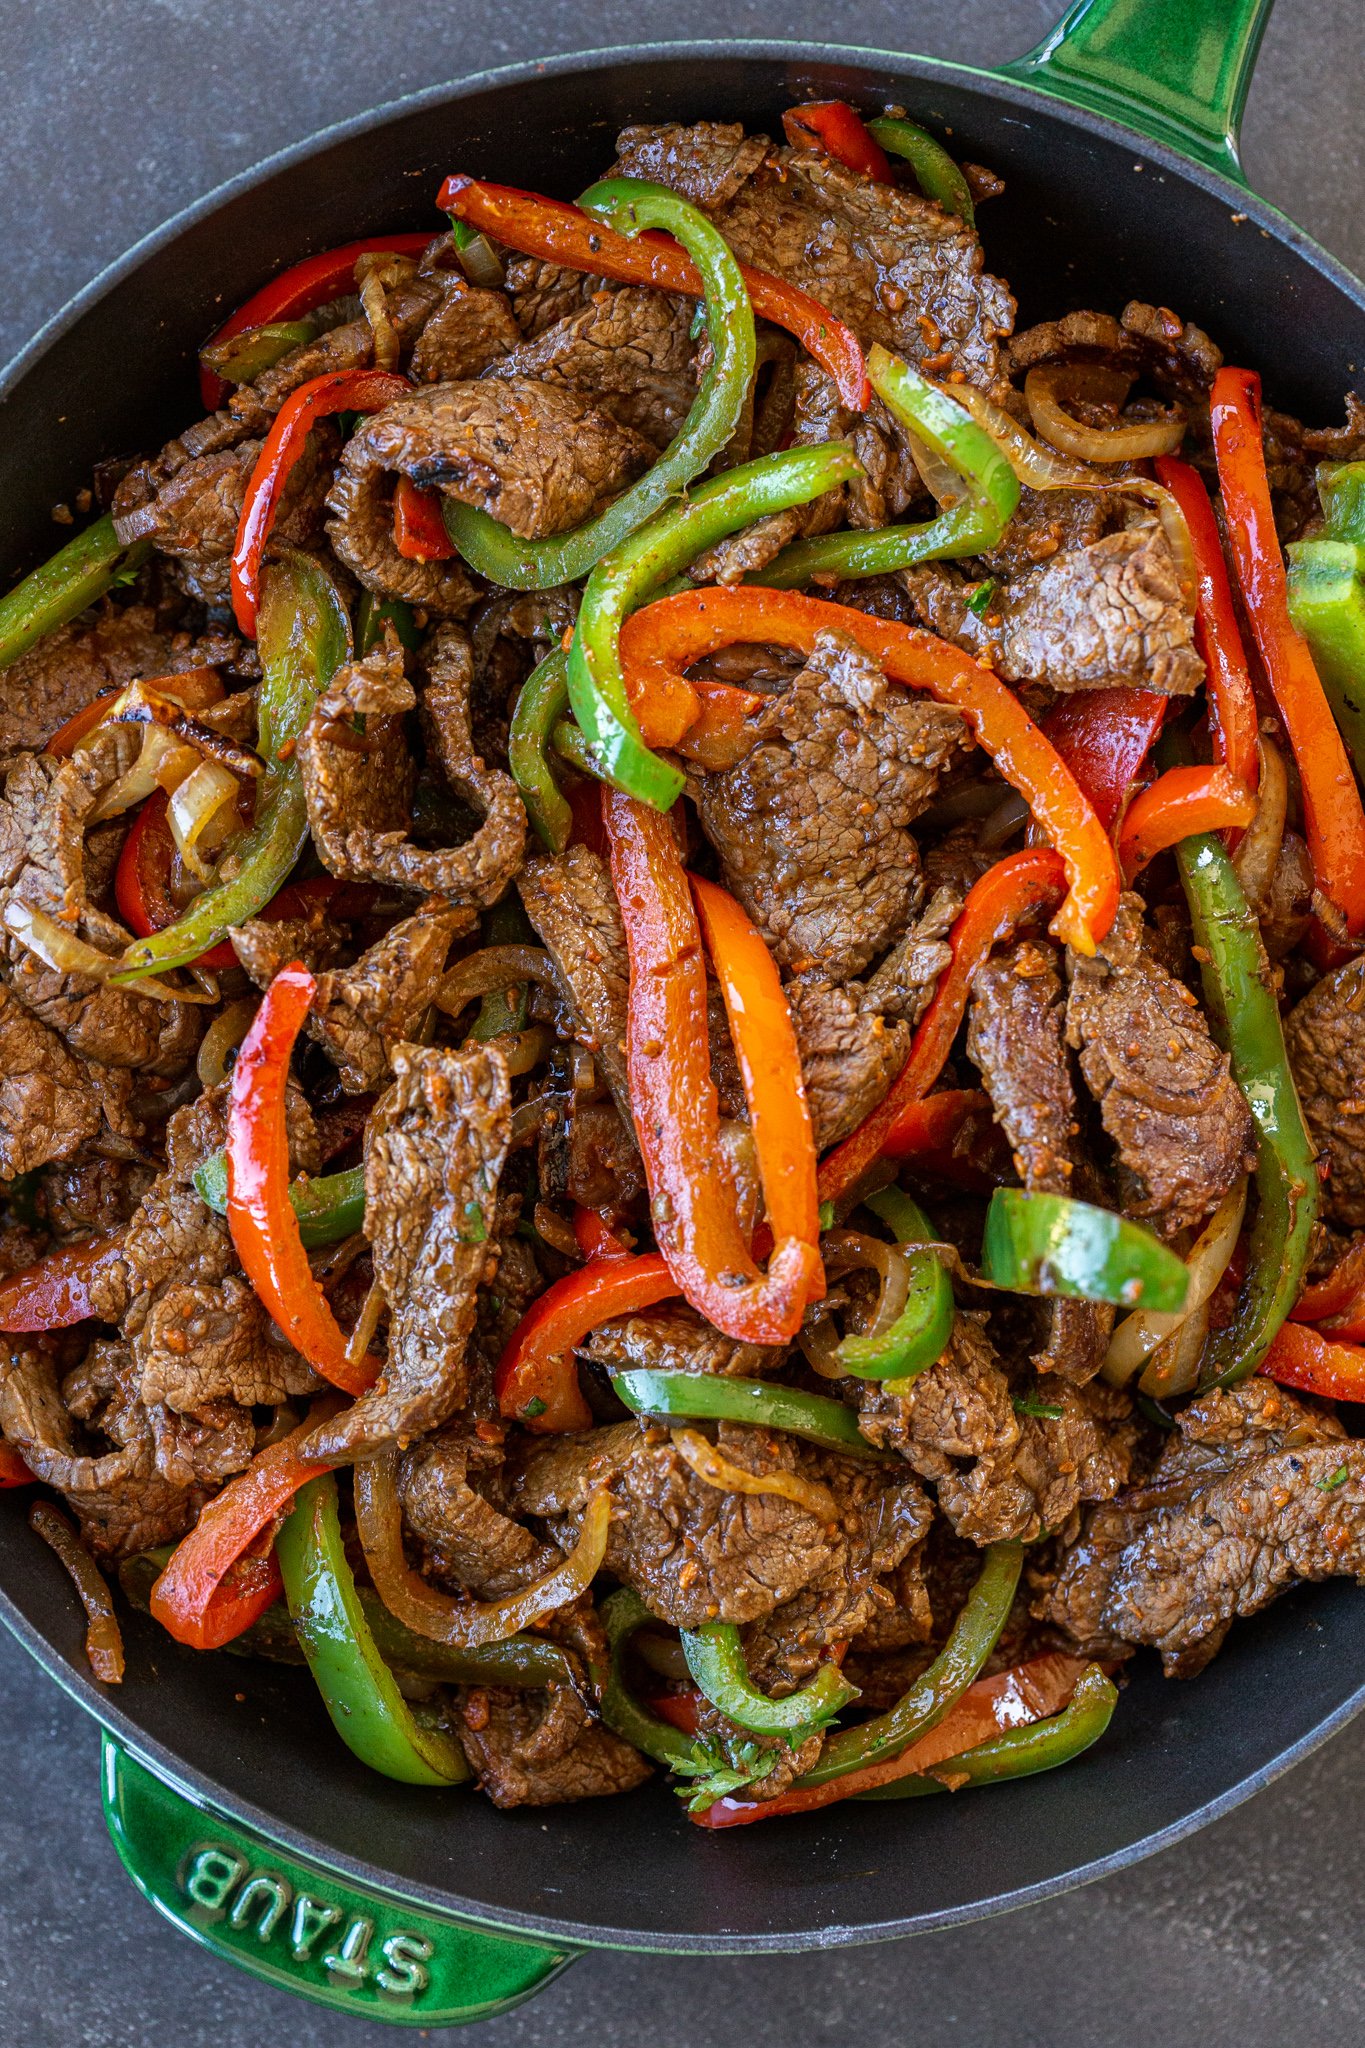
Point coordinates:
[[234, 1806]]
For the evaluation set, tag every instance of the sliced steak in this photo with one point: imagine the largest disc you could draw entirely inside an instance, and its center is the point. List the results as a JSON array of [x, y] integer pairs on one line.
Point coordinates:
[[51, 1101], [1166, 1093], [498, 1731], [1255, 1492], [90, 1194], [68, 669], [1325, 1037], [811, 824], [470, 1542], [629, 351], [434, 1150], [210, 1343], [1087, 1453], [674, 1338], [849, 1055], [470, 330], [570, 900]]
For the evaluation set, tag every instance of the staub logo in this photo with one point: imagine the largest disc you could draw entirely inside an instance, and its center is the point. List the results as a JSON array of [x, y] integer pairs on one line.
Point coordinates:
[[351, 1947]]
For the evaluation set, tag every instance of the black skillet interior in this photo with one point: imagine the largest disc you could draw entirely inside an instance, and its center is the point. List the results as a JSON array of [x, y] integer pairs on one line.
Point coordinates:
[[1090, 218]]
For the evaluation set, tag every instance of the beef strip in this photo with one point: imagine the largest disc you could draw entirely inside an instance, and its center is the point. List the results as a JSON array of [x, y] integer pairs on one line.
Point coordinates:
[[1087, 1453], [362, 1012], [629, 351], [897, 268], [1151, 340], [52, 1102], [586, 1154], [498, 1729], [850, 1054], [68, 669], [1049, 523], [674, 1338], [1325, 1038], [264, 945], [570, 900], [214, 1342], [1256, 1491], [434, 1149], [90, 1194], [43, 813], [902, 986], [692, 1552], [469, 331], [1166, 1093], [359, 795], [811, 824], [1107, 612], [469, 1541], [188, 1450]]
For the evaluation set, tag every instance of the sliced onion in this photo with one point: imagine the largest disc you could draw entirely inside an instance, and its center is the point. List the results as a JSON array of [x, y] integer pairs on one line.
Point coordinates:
[[163, 762], [1173, 1367], [61, 950], [819, 1342], [495, 967], [466, 1624], [367, 1322], [374, 306], [195, 804], [103, 1638], [218, 1041], [523, 1050], [941, 480], [717, 1470], [848, 1251], [480, 264], [1256, 857], [1135, 441], [1004, 821], [1138, 1336]]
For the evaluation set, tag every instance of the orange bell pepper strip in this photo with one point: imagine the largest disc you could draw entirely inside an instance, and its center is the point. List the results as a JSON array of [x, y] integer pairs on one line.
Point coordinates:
[[1334, 818], [55, 1293], [596, 1237], [560, 233], [1104, 736], [1182, 801], [677, 1117], [1233, 719], [1000, 900], [339, 391], [1338, 1293], [419, 531], [214, 1585], [834, 127], [764, 1039], [13, 1470], [536, 1382], [677, 631], [1304, 1358], [260, 1216]]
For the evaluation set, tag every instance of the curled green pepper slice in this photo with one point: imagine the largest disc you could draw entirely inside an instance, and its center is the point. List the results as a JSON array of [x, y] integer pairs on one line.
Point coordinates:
[[1341, 488], [988, 501], [921, 1331], [1246, 1019], [304, 636], [359, 1691], [243, 355], [935, 172], [629, 205], [64, 585], [544, 699], [1327, 604], [706, 1397], [1020, 1752], [715, 1658], [328, 1209], [1052, 1244], [373, 614]]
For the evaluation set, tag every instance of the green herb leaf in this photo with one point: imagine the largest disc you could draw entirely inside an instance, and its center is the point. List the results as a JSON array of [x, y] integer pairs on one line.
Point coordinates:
[[1029, 1404], [476, 1230], [827, 1215], [535, 1406], [980, 595], [1333, 1479]]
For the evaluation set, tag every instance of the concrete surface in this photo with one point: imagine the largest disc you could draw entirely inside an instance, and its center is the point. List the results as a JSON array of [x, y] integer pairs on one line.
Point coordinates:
[[117, 113]]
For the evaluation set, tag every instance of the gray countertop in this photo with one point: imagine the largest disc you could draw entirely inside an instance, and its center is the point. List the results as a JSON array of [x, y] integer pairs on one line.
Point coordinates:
[[121, 111]]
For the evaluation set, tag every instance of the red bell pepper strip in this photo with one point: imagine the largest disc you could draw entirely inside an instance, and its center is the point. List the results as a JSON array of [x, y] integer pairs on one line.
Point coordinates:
[[677, 1117], [931, 1125], [55, 1293], [211, 1589], [302, 289], [1232, 701], [596, 1237], [13, 1470], [1011, 1699], [1183, 800], [1338, 1293], [419, 531], [1325, 952], [1104, 736], [1000, 900], [1334, 819], [260, 1216], [68, 735], [764, 1039], [1303, 1358], [681, 1710], [678, 631], [560, 233], [834, 127], [339, 391], [536, 1381]]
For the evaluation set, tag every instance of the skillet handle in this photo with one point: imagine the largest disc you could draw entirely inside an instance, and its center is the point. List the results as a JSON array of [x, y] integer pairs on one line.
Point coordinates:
[[303, 1928], [1176, 70]]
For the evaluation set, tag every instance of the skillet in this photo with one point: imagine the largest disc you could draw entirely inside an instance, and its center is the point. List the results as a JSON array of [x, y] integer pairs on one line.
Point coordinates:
[[234, 1808]]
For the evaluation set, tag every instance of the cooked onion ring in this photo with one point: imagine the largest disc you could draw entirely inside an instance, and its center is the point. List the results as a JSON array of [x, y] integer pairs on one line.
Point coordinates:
[[1047, 386]]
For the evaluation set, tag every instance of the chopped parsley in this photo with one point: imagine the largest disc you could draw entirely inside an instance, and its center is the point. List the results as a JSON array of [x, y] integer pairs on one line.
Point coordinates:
[[980, 595], [475, 1230], [1029, 1404], [1333, 1479], [827, 1215], [535, 1406]]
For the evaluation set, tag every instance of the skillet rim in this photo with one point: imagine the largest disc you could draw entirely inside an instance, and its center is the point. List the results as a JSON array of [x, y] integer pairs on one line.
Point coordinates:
[[201, 1789]]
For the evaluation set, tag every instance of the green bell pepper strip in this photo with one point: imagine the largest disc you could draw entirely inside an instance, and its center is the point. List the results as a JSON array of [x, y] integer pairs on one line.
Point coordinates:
[[921, 1331], [937, 175], [65, 584], [634, 571], [715, 1658], [328, 1209], [359, 1691], [1327, 604], [243, 355], [1051, 1244], [989, 499], [1341, 489], [304, 636], [696, 1758], [629, 205], [544, 699], [974, 1636], [373, 613], [505, 925], [1246, 1019], [704, 1396], [1021, 1752]]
